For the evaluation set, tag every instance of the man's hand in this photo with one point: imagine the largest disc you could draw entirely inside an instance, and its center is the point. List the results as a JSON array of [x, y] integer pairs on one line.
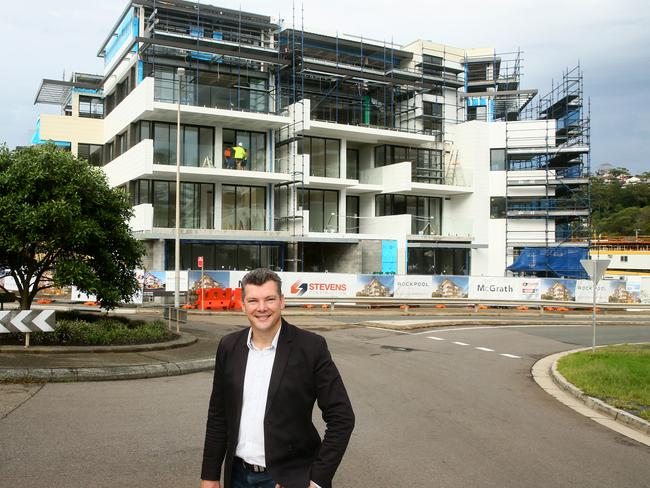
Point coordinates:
[[210, 484]]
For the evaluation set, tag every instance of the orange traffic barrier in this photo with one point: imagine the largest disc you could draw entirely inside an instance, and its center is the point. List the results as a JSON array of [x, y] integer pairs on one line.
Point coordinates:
[[483, 307], [91, 304], [440, 305], [522, 307], [549, 309], [44, 301], [562, 309], [308, 305]]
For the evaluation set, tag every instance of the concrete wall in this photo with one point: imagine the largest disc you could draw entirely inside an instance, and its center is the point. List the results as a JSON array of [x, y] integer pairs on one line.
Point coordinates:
[[370, 256], [72, 129]]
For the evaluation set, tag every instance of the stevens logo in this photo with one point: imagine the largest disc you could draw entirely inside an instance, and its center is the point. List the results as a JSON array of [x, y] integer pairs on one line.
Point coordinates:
[[299, 288]]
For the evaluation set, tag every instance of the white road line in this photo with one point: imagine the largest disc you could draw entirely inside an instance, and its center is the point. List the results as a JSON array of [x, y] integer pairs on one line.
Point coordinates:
[[479, 327], [390, 330], [510, 356], [461, 343], [486, 349], [435, 338]]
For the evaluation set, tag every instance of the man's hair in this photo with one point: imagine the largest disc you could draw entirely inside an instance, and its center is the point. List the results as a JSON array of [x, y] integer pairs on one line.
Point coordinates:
[[258, 277]]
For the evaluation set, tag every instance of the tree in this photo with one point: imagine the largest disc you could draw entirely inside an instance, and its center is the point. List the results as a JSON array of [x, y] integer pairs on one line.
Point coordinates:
[[61, 224]]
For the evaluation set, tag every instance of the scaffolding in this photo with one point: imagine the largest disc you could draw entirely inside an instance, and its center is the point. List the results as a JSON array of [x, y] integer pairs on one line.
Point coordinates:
[[547, 174]]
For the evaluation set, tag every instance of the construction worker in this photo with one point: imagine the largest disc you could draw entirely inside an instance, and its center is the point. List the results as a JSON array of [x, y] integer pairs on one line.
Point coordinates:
[[240, 156], [228, 154]]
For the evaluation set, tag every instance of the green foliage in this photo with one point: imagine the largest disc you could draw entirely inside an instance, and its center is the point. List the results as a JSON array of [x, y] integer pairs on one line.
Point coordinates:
[[100, 331], [61, 224], [620, 375], [620, 210]]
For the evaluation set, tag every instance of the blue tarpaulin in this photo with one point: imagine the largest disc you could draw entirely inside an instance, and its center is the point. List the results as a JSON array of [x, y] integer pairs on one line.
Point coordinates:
[[555, 262]]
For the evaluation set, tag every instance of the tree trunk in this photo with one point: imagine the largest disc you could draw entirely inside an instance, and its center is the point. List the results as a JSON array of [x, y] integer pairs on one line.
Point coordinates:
[[25, 300]]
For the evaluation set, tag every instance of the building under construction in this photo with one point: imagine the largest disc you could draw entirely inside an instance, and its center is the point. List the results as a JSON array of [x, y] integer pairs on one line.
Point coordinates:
[[361, 156]]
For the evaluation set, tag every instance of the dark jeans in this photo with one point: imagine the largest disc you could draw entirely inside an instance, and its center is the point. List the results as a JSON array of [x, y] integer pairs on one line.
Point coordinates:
[[244, 478]]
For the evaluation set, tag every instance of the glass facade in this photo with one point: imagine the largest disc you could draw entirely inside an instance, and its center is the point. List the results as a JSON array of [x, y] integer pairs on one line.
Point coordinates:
[[197, 143], [91, 107], [324, 155], [497, 159], [352, 164], [352, 214], [323, 206], [243, 207], [91, 153], [253, 142], [227, 88], [196, 202], [225, 255], [426, 211], [423, 261]]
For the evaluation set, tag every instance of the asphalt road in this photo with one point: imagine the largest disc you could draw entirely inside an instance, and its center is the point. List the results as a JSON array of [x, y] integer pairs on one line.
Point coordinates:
[[432, 411]]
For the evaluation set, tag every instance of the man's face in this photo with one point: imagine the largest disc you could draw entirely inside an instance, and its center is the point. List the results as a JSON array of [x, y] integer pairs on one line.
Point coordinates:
[[263, 306]]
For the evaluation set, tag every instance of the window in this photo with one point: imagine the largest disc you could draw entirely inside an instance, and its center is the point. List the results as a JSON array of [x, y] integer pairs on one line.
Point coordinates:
[[197, 143], [432, 109], [498, 207], [324, 155], [243, 207], [426, 211], [253, 142], [91, 107], [120, 144], [497, 159], [624, 259], [90, 152], [196, 202], [225, 256], [352, 214], [352, 164], [323, 206]]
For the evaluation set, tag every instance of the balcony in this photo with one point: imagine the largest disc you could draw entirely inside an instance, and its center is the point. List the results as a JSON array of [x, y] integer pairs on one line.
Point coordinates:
[[237, 108], [403, 178], [138, 162]]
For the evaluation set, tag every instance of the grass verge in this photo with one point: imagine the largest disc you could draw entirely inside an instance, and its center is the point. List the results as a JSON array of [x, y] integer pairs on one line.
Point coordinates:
[[78, 329], [618, 375]]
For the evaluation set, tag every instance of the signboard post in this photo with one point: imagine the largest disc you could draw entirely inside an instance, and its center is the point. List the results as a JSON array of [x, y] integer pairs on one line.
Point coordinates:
[[200, 263], [595, 268]]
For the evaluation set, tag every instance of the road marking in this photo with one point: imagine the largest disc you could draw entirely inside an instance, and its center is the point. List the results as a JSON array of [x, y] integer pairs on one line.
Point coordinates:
[[390, 330], [510, 356], [435, 338], [479, 327], [486, 349], [461, 343]]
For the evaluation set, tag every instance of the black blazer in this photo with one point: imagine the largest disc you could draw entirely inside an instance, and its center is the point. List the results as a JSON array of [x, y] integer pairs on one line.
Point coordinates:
[[303, 372]]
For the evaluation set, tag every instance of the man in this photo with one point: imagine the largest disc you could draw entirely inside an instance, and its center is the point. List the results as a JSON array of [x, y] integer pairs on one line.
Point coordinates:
[[266, 380], [240, 156], [228, 156]]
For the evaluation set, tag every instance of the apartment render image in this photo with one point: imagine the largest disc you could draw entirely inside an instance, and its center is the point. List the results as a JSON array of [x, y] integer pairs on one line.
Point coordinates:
[[301, 151]]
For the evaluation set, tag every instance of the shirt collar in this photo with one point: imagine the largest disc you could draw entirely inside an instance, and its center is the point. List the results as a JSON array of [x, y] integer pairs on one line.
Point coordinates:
[[274, 343]]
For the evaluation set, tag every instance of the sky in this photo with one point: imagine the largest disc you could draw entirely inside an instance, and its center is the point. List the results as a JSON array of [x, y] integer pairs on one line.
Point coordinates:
[[610, 40]]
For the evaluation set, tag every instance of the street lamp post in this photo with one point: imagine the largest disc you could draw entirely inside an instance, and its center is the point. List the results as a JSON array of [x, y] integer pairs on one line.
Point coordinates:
[[180, 73]]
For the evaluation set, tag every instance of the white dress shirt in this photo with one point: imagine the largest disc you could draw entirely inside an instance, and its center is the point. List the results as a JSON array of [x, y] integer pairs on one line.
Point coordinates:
[[250, 444]]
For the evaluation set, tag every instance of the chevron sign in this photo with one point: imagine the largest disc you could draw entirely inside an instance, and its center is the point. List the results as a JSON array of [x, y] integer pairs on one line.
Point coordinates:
[[26, 321]]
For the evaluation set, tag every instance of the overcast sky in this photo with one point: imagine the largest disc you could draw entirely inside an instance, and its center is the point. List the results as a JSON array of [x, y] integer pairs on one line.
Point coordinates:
[[611, 40]]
